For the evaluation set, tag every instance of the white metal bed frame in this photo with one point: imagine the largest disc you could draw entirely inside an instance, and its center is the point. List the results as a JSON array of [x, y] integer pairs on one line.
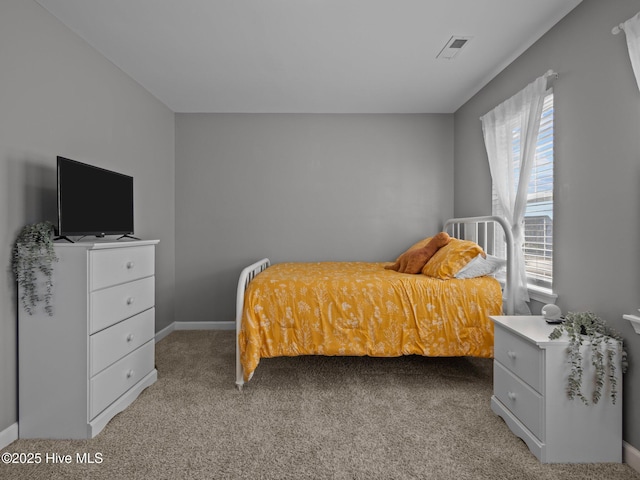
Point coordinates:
[[481, 230]]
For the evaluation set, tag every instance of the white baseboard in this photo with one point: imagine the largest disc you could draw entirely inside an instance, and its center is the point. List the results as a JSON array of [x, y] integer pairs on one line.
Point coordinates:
[[194, 326], [8, 435], [165, 331], [631, 456], [205, 325]]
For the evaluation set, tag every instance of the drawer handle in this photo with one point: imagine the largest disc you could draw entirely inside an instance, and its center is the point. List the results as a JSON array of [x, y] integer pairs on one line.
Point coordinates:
[[130, 301], [511, 355], [130, 265], [130, 337], [130, 373], [511, 395]]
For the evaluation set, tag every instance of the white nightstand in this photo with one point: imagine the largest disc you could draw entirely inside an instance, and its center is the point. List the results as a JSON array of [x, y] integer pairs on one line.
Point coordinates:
[[530, 394]]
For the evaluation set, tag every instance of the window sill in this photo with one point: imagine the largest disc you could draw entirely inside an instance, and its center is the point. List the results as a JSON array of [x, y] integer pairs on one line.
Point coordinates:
[[542, 295], [635, 322], [539, 294]]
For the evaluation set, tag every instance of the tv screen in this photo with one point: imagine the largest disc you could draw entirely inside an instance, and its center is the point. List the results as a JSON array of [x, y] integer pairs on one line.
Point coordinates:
[[93, 201]]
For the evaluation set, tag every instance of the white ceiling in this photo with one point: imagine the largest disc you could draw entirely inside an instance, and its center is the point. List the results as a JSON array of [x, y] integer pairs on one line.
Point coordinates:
[[309, 56]]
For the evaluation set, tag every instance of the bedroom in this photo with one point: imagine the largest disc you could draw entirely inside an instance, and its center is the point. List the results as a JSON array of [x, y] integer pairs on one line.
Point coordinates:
[[51, 91]]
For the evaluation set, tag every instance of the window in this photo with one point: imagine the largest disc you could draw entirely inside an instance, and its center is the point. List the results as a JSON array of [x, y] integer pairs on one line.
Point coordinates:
[[538, 221]]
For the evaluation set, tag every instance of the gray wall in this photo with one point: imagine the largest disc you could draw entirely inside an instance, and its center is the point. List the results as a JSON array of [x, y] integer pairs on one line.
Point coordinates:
[[597, 174], [58, 96], [301, 188]]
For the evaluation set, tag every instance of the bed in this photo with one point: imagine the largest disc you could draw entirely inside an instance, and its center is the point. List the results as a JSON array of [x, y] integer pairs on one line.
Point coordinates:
[[363, 308]]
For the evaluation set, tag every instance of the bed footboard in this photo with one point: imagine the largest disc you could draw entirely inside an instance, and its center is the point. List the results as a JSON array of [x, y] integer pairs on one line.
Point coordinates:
[[246, 276]]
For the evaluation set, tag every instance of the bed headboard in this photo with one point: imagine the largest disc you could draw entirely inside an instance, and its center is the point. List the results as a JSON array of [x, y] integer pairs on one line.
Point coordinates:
[[483, 231]]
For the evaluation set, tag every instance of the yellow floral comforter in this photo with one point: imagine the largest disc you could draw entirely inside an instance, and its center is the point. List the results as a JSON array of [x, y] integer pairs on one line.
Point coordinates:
[[356, 308]]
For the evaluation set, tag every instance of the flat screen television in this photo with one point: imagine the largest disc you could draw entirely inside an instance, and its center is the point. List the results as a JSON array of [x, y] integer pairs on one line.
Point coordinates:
[[93, 201]]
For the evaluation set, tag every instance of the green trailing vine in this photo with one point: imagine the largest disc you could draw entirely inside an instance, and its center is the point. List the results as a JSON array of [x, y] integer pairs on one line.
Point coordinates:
[[587, 327], [33, 256]]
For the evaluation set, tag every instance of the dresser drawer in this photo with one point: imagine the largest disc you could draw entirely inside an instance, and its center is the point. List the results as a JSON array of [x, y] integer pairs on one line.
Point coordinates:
[[119, 265], [524, 402], [523, 358], [120, 339], [113, 304], [111, 383]]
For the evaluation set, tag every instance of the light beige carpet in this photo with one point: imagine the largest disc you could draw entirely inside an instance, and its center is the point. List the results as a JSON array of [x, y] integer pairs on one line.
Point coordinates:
[[305, 418]]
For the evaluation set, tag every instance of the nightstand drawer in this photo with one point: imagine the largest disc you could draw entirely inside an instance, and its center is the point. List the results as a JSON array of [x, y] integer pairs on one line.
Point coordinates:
[[110, 305], [119, 340], [524, 402], [119, 265], [522, 358], [109, 384]]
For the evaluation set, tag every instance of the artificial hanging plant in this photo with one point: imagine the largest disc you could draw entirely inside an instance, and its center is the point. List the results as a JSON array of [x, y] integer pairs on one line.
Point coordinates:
[[587, 327], [33, 256]]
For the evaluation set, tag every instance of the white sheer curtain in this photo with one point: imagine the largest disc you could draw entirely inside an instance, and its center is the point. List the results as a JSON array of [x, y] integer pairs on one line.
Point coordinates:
[[632, 30], [511, 167]]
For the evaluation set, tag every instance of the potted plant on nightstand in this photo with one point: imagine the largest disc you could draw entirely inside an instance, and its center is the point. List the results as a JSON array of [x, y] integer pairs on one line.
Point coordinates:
[[33, 257], [586, 327]]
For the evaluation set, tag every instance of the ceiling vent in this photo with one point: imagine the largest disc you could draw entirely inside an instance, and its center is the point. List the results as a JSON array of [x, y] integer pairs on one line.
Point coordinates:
[[453, 47]]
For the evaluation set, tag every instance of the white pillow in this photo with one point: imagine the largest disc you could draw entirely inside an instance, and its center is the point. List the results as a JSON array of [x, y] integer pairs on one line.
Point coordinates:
[[480, 266]]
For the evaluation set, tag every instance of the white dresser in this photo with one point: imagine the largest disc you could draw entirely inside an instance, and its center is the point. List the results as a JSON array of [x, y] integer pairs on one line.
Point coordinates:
[[93, 357], [529, 392]]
